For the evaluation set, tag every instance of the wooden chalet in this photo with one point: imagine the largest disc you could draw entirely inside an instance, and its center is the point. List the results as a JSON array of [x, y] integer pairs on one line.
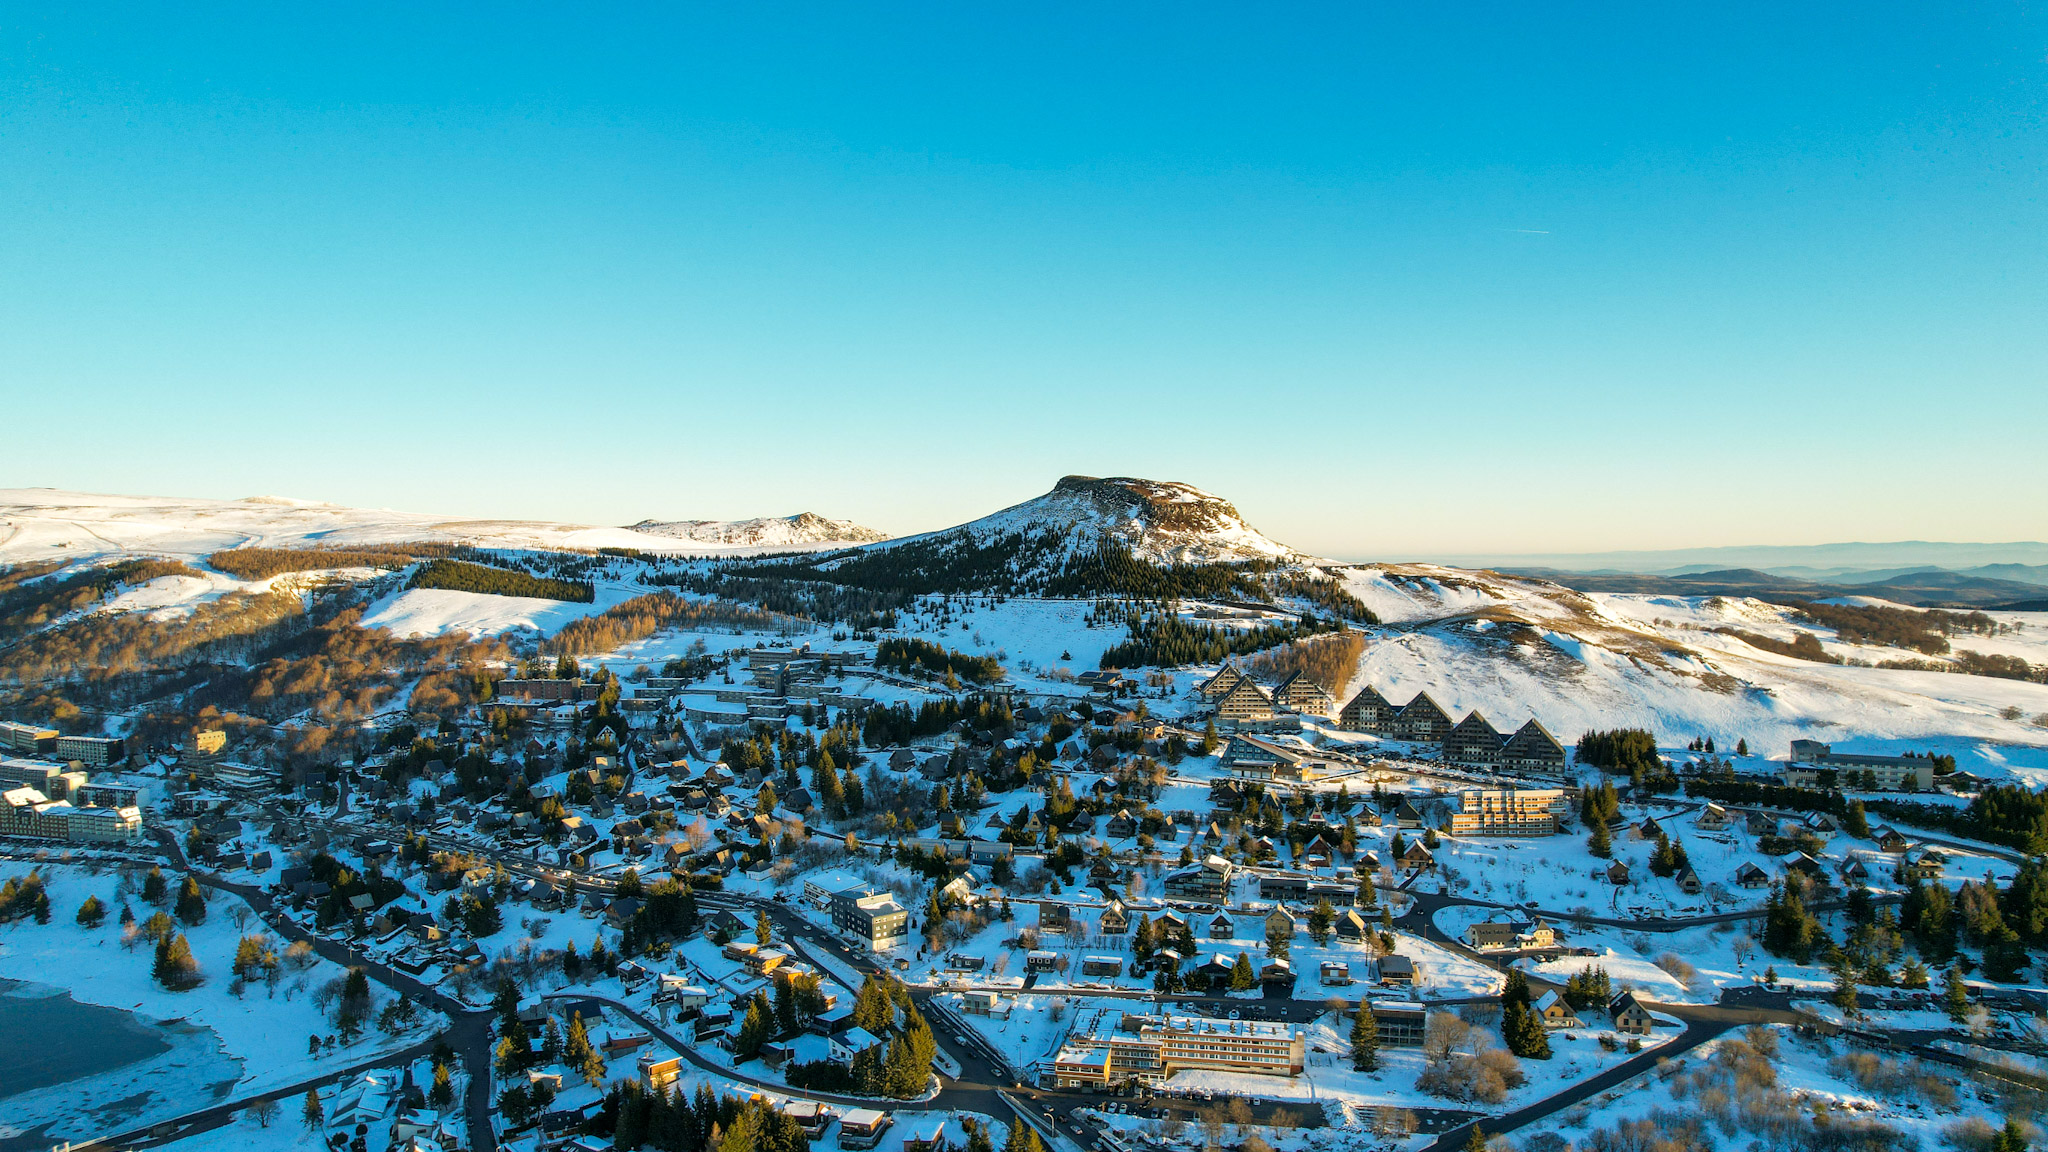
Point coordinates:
[[1712, 818], [1418, 858]]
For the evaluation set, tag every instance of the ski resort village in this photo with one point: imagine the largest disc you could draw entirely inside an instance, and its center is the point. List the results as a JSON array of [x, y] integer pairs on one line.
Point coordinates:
[[1103, 822]]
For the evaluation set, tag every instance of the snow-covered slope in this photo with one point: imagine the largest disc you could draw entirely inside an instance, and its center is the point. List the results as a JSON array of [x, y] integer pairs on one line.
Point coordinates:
[[48, 524], [1514, 647], [805, 529], [1161, 521]]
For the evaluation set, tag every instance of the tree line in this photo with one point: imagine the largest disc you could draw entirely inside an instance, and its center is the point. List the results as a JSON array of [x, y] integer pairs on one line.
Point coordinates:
[[263, 563]]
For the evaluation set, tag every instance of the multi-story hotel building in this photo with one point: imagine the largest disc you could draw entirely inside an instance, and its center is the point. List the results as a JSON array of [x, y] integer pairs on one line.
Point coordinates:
[[1107, 1047], [1510, 811]]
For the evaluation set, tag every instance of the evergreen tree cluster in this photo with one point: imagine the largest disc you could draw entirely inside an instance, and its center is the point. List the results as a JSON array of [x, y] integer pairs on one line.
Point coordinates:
[[670, 1122], [463, 576], [25, 896], [1521, 1029], [1622, 751], [1166, 639], [908, 655]]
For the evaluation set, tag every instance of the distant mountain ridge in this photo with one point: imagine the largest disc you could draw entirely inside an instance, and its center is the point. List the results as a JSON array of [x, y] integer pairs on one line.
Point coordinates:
[[1930, 588], [764, 531]]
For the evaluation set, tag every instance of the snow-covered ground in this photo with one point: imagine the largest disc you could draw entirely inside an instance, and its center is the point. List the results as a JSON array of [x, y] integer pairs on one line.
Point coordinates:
[[1815, 1075], [49, 524], [220, 1044]]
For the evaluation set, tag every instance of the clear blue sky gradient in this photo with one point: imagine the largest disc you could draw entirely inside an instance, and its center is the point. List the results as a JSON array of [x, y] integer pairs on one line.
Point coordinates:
[[1415, 280]]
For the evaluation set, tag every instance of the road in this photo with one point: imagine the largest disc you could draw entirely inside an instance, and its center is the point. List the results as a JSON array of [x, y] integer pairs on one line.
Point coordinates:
[[982, 1086], [469, 1032]]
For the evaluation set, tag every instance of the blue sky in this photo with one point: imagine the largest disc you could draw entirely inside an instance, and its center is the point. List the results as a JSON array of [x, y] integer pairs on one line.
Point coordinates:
[[1399, 282]]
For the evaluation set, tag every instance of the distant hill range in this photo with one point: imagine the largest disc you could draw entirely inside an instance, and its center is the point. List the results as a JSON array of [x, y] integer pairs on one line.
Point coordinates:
[[802, 528], [2015, 587]]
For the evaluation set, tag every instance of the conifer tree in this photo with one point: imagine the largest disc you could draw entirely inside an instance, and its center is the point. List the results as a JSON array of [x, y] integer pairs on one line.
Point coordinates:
[[1599, 843], [1365, 1039], [313, 1112], [1954, 996]]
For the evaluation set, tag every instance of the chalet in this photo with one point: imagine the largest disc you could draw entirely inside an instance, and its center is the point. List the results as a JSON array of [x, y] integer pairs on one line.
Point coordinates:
[[1222, 927], [1041, 961], [1213, 973], [1351, 926], [1751, 876], [1689, 881], [1407, 815], [1336, 973], [1927, 865], [1629, 1014], [1890, 840], [1055, 916], [1760, 824], [1804, 864], [1397, 971], [1617, 873], [1368, 711], [1423, 720], [1555, 1013], [1244, 703], [1855, 871], [1277, 971], [1533, 749], [1649, 829], [1712, 818], [1473, 741], [1279, 922], [1121, 826], [1116, 920], [1494, 934], [1418, 858], [1298, 693]]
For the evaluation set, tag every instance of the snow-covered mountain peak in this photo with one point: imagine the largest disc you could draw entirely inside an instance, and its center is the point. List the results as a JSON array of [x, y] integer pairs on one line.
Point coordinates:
[[1161, 521], [764, 531]]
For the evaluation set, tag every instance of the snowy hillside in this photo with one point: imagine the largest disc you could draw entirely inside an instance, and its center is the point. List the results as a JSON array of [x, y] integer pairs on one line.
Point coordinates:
[[1515, 648], [805, 529], [48, 524], [1160, 521]]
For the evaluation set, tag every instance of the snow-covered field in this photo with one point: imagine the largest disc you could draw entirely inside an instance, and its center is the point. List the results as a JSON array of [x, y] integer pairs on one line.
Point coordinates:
[[221, 1044], [49, 524]]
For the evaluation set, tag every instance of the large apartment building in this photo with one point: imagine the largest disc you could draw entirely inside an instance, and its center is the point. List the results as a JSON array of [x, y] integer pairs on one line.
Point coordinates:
[[1816, 765], [50, 779], [33, 739], [92, 751], [1510, 811], [28, 813], [874, 916], [1107, 1047]]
